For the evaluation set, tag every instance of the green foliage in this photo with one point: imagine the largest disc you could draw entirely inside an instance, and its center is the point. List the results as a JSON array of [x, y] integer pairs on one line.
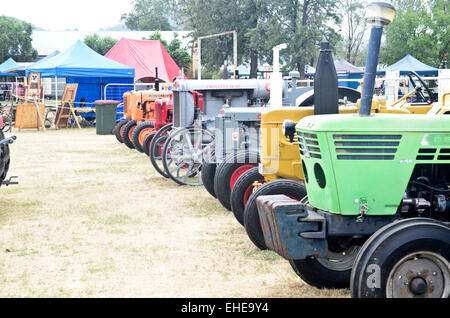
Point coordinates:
[[15, 40], [180, 55], [99, 44], [353, 29], [218, 16], [148, 15], [420, 28], [300, 24]]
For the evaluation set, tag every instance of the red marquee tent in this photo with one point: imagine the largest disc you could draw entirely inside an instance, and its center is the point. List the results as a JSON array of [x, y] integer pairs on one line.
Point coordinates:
[[145, 56]]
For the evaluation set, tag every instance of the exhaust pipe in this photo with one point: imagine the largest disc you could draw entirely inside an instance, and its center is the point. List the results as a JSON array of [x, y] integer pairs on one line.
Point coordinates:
[[326, 95], [379, 14], [156, 80]]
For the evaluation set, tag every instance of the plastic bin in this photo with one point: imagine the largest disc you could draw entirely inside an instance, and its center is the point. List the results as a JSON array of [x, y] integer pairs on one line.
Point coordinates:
[[105, 116]]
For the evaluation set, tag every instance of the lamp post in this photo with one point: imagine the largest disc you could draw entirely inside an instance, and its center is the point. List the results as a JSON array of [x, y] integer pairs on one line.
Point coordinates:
[[378, 14]]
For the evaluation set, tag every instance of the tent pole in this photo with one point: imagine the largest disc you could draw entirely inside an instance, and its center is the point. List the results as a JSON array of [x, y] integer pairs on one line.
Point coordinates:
[[56, 95]]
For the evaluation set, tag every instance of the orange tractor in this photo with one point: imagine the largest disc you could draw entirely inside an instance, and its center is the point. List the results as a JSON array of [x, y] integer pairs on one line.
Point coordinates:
[[146, 112]]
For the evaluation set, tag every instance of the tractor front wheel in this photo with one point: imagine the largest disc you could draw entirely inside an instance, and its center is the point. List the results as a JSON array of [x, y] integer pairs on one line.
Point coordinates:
[[332, 271], [127, 133], [156, 147], [406, 259], [140, 133], [208, 174], [242, 191], [293, 189], [118, 130], [229, 171]]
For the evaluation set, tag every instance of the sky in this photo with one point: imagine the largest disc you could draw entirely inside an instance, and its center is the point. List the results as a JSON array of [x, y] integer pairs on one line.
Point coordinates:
[[59, 15]]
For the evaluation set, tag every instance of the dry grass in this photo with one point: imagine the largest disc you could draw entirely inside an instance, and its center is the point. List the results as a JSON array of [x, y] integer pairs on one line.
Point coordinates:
[[91, 218]]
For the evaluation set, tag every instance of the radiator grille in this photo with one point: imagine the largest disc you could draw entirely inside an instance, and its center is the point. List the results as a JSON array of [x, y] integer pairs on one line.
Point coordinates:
[[366, 147]]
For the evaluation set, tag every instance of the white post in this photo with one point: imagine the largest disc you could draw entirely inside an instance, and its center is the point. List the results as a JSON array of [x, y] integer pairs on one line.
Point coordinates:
[[199, 52], [276, 81], [235, 52]]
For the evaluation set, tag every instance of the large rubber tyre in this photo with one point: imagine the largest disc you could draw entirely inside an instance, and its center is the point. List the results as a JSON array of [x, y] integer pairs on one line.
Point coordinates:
[[242, 191], [331, 272], [402, 259], [156, 147], [128, 132], [119, 129], [229, 171], [208, 174], [148, 125], [293, 189], [4, 159], [147, 142]]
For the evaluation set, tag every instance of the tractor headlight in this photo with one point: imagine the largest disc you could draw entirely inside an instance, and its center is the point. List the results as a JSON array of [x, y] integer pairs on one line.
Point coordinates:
[[380, 13], [288, 129]]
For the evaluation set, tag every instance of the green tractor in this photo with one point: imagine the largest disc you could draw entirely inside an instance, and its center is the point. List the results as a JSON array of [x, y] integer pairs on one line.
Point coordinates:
[[376, 217]]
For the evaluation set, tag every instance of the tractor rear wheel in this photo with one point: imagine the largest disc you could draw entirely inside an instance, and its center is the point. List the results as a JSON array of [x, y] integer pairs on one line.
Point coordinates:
[[140, 133], [229, 171], [242, 191], [405, 259], [332, 271], [183, 154], [156, 147], [147, 142], [127, 133], [291, 188], [119, 129]]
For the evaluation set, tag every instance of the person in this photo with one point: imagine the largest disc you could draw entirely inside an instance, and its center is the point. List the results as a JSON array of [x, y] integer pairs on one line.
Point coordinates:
[[20, 90]]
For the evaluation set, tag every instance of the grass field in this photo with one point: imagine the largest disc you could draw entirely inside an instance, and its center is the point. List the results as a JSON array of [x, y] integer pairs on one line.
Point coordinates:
[[91, 218]]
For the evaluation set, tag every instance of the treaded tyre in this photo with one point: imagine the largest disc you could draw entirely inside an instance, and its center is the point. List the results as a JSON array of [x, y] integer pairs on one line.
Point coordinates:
[[208, 174], [136, 138], [331, 272], [128, 132], [242, 191], [4, 159], [405, 259], [147, 142], [156, 147], [119, 129], [229, 171], [293, 189]]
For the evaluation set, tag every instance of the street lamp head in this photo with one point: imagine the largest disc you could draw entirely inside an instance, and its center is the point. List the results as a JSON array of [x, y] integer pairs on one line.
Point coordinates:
[[380, 13]]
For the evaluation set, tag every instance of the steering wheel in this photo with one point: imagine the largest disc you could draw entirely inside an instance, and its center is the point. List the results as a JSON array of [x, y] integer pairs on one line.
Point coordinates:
[[418, 88]]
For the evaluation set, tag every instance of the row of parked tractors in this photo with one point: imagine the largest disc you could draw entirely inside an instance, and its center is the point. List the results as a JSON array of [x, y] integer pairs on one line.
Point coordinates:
[[351, 191]]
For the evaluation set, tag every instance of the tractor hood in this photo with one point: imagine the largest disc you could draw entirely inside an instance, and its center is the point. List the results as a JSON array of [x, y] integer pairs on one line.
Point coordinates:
[[376, 122]]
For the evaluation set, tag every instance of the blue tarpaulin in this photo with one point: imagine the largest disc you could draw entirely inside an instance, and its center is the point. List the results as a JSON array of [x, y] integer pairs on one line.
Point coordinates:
[[8, 65], [81, 61], [410, 63], [92, 71]]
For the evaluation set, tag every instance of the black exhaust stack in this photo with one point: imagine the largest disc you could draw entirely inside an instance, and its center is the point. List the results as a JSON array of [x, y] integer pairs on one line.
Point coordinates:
[[326, 95], [156, 80]]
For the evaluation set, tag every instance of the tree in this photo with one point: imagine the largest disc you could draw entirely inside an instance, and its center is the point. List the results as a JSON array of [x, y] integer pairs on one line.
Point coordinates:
[[420, 28], [149, 15], [99, 44], [180, 55], [354, 28], [302, 25], [15, 40]]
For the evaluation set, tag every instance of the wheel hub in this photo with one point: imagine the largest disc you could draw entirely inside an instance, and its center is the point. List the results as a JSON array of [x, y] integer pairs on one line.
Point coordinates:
[[419, 275], [418, 285]]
